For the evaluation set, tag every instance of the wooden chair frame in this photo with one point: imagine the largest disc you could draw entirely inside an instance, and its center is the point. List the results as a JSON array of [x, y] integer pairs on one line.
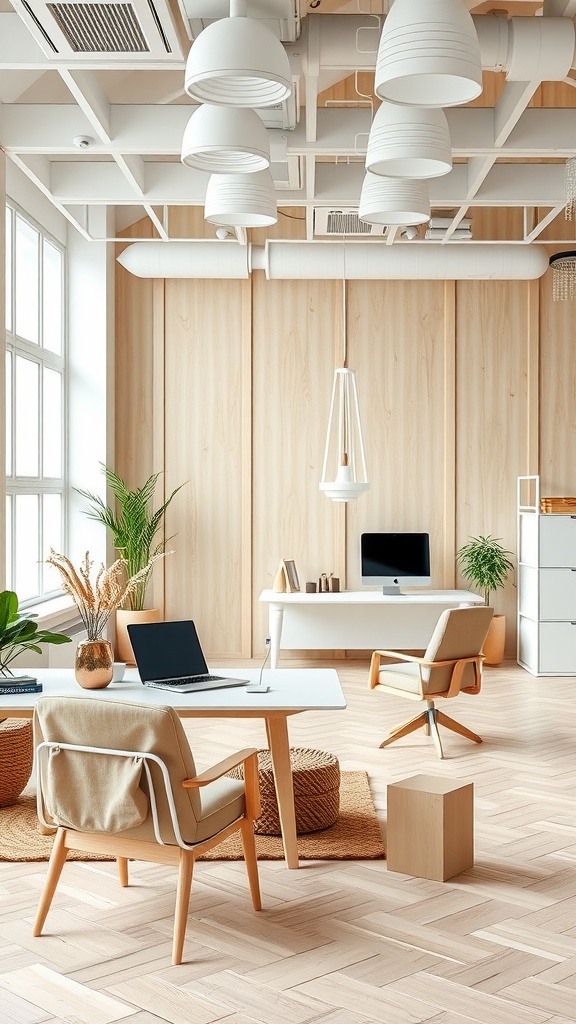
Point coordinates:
[[183, 855], [431, 718]]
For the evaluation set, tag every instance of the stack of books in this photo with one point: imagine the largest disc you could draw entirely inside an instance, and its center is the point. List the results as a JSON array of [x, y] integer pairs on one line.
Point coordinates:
[[19, 684]]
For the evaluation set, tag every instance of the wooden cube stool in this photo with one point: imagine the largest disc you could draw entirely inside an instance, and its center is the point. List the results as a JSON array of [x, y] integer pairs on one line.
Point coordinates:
[[316, 781], [430, 830]]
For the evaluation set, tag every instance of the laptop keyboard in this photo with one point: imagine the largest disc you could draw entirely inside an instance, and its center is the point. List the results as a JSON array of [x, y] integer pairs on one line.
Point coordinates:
[[186, 680]]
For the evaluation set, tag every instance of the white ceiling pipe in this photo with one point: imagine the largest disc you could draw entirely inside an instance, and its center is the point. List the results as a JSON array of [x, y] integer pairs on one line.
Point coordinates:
[[498, 37], [366, 261], [202, 258], [369, 261]]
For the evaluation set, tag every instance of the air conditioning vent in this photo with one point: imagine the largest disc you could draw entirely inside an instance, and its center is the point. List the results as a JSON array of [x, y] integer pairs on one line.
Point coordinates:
[[113, 30], [343, 222]]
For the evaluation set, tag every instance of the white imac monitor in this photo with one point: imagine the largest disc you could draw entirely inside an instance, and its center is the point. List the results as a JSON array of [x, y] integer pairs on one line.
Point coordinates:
[[391, 560]]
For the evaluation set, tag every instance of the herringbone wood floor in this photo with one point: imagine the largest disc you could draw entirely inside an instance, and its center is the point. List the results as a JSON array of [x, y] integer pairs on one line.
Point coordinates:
[[337, 942]]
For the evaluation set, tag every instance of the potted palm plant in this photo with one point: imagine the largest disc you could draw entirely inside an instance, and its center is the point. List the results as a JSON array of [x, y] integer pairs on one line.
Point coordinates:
[[485, 562], [134, 527]]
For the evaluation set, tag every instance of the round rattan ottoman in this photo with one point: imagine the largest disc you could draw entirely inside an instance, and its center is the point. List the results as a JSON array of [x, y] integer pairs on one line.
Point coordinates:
[[16, 749], [316, 780]]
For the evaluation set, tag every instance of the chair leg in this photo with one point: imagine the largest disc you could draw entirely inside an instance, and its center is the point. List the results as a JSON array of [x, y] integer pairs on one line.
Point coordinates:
[[249, 848], [432, 716], [407, 727], [185, 870], [57, 861], [450, 723], [122, 864]]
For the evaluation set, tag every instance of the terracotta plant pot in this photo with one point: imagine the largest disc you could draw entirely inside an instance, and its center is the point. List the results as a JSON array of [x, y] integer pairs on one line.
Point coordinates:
[[94, 664], [124, 618], [493, 649]]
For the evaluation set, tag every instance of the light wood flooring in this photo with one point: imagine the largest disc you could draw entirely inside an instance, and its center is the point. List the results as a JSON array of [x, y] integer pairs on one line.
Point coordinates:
[[337, 942]]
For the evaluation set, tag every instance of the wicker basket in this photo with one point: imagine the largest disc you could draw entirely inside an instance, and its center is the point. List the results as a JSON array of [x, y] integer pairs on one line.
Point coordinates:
[[316, 780], [16, 749]]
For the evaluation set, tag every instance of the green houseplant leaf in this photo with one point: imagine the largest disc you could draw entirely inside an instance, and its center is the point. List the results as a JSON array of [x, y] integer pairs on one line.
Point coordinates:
[[485, 562], [19, 632], [133, 526]]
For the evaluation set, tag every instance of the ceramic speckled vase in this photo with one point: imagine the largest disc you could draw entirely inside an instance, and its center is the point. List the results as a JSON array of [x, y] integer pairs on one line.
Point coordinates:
[[94, 664]]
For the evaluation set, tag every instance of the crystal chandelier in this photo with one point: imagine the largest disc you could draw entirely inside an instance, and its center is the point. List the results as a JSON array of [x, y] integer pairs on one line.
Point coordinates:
[[570, 187], [563, 266]]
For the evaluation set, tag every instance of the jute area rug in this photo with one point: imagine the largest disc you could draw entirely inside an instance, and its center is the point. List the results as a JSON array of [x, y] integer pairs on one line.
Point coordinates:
[[355, 836]]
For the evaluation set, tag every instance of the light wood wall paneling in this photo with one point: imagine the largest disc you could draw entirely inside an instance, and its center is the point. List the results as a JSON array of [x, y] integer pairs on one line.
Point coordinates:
[[533, 384], [134, 405], [493, 340], [294, 331], [2, 371], [158, 448], [397, 346], [449, 431], [246, 470], [203, 442], [557, 393]]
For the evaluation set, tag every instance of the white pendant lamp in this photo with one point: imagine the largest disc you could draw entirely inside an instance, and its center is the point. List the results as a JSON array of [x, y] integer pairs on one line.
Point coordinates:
[[393, 201], [344, 476], [241, 200], [238, 62], [409, 142], [225, 140], [429, 55]]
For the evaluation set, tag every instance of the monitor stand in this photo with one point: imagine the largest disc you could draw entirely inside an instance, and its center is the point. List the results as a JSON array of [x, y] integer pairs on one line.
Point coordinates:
[[393, 591]]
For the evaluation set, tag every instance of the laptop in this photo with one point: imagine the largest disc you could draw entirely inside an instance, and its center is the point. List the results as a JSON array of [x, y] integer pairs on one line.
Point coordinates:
[[169, 656]]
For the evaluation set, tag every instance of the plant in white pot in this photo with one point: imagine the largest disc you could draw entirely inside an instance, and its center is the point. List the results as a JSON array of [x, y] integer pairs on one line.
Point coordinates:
[[134, 527], [485, 562]]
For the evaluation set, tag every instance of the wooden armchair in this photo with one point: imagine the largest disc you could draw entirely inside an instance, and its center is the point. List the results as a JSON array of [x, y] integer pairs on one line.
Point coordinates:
[[452, 664], [119, 778]]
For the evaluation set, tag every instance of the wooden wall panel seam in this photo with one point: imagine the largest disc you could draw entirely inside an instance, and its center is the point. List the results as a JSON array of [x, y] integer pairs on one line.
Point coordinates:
[[448, 483], [158, 427]]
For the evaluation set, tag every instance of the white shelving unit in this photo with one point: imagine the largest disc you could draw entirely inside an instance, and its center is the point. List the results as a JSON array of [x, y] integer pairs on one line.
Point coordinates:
[[546, 586]]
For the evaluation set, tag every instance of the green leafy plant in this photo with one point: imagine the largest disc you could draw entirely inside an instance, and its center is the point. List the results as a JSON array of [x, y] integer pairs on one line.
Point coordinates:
[[19, 632], [484, 561], [133, 526]]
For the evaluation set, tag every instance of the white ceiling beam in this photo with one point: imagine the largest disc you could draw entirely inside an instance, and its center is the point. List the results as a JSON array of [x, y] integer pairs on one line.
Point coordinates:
[[559, 8], [510, 107], [530, 236], [91, 98], [134, 170]]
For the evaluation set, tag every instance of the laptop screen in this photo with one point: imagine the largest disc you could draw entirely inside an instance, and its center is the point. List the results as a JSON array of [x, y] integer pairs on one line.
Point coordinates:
[[167, 650]]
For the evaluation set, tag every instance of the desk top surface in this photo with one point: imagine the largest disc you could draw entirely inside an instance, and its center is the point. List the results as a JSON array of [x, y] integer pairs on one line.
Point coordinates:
[[291, 690], [447, 597]]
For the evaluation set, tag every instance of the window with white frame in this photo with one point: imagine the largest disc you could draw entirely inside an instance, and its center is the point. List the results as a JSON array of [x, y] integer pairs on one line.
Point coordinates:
[[35, 405]]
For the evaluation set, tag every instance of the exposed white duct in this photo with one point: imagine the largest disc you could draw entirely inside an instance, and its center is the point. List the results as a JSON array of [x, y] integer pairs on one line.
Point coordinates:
[[353, 261]]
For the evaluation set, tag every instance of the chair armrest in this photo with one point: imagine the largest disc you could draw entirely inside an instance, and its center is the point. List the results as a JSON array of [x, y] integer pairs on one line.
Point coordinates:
[[220, 769]]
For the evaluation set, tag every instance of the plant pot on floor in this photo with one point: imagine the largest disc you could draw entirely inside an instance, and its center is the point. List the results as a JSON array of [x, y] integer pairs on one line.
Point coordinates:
[[124, 618], [493, 649]]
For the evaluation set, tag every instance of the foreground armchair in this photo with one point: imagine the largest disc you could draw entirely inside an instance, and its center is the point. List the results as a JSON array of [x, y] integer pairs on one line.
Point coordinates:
[[119, 778], [452, 664]]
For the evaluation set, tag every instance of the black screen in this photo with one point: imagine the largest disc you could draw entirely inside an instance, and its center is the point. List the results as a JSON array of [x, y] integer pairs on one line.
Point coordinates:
[[167, 650], [395, 554]]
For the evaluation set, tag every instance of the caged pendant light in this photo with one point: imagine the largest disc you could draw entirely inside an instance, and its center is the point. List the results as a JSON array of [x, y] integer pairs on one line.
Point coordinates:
[[344, 476]]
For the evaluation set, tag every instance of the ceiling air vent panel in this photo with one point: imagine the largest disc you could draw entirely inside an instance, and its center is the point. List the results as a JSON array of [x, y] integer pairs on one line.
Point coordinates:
[[110, 32], [343, 222]]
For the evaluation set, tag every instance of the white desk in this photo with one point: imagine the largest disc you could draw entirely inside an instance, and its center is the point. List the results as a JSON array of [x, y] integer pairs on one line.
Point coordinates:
[[291, 692], [357, 620]]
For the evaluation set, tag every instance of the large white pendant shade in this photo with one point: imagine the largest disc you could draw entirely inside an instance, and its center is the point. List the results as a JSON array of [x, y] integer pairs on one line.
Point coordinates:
[[225, 140], [393, 201], [241, 200], [238, 62], [429, 54], [344, 476], [409, 142]]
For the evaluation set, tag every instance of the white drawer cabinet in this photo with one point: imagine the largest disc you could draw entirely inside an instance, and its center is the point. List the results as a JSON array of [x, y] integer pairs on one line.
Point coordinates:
[[547, 593]]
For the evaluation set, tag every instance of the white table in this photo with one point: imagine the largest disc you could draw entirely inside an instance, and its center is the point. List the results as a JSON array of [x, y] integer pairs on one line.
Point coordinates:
[[357, 620], [291, 692]]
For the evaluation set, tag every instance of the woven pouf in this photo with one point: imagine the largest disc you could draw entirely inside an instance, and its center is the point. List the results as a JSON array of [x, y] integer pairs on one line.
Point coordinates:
[[16, 749], [316, 780]]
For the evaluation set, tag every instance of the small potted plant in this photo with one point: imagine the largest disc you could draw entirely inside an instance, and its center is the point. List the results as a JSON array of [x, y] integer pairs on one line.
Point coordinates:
[[485, 562], [19, 632], [134, 527]]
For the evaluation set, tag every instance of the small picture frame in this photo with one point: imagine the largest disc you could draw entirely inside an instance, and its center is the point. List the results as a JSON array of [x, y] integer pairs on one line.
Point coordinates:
[[286, 579]]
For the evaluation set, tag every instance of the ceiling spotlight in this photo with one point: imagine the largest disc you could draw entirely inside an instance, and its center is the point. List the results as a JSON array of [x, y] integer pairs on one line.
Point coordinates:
[[238, 62], [225, 140], [429, 55], [82, 141], [223, 233], [410, 232]]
